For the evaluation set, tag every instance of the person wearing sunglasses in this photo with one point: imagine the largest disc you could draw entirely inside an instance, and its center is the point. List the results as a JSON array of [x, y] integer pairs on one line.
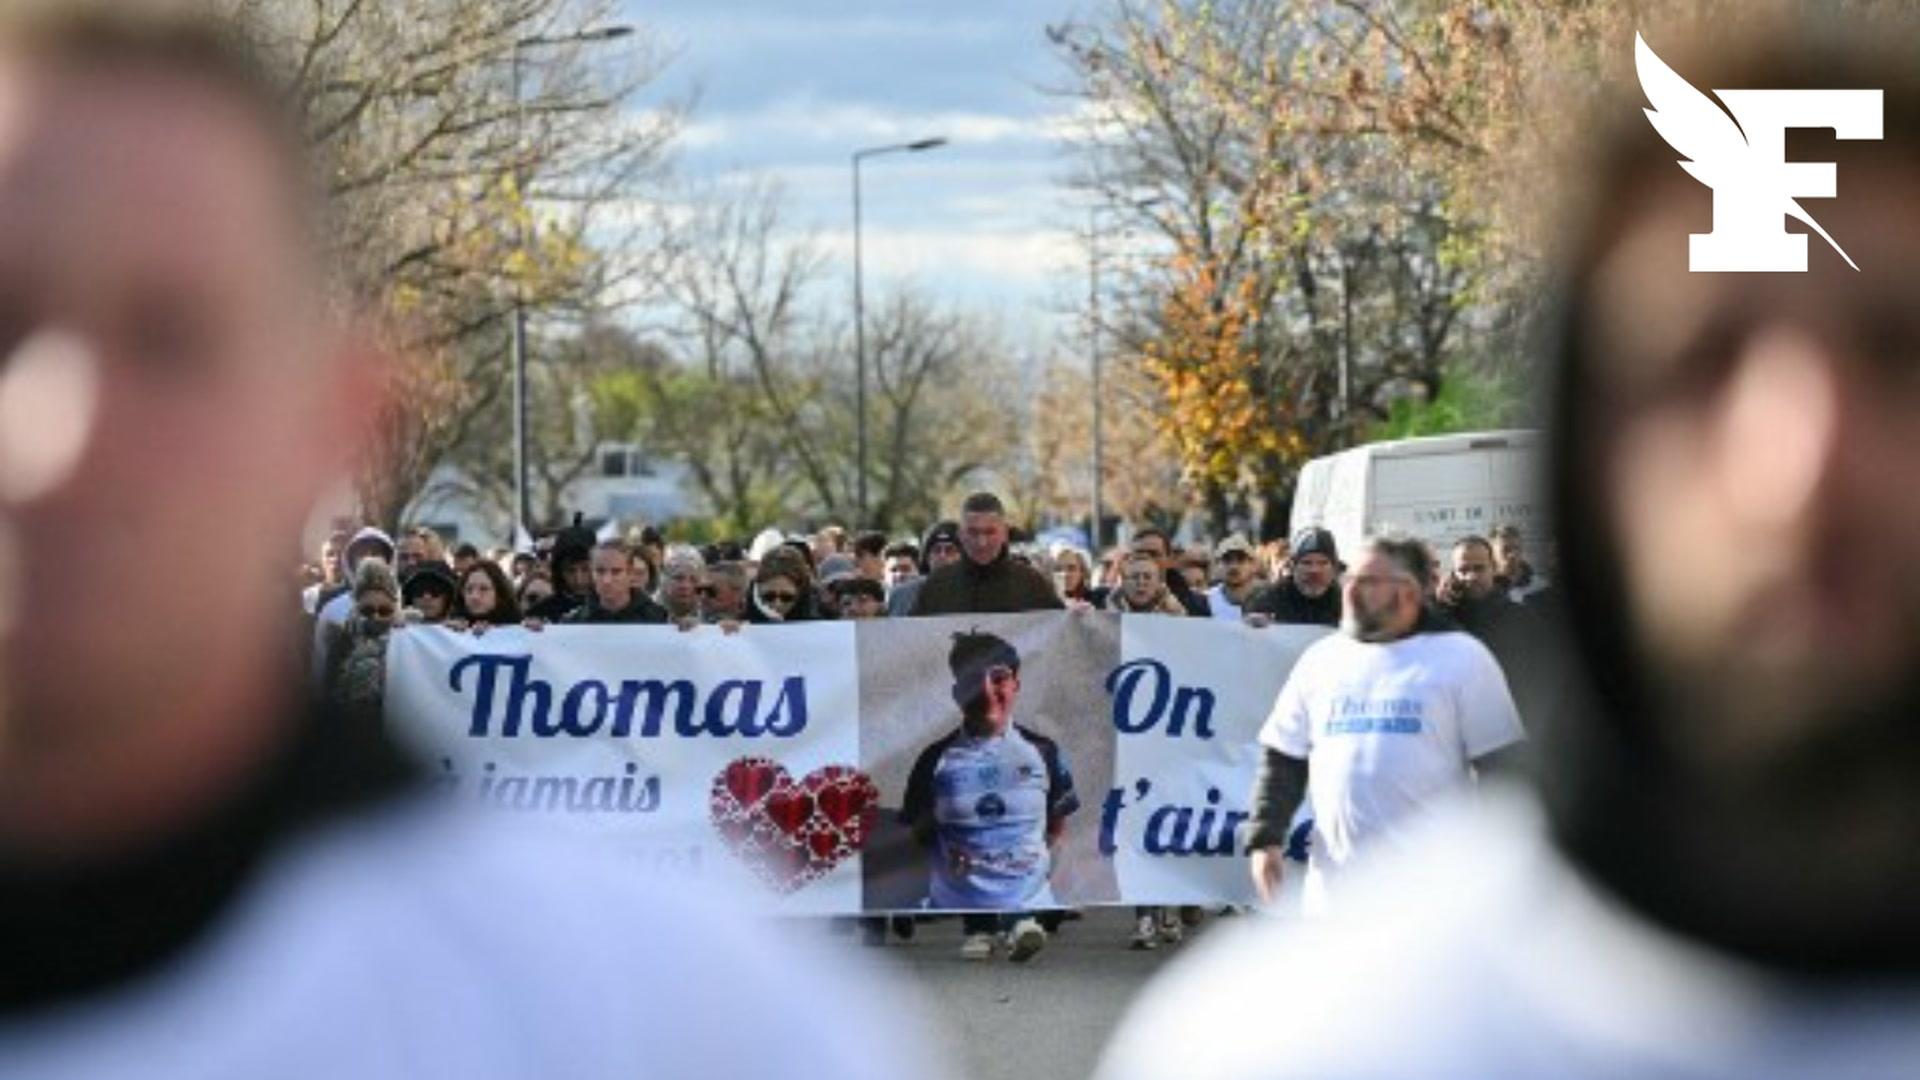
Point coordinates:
[[357, 664], [723, 596], [782, 590]]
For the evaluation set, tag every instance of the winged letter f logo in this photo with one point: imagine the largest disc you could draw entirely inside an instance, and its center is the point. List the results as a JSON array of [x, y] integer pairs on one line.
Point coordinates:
[[1743, 158]]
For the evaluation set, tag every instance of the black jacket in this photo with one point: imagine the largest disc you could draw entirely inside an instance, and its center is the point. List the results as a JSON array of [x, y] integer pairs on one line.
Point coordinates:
[[1195, 603], [1285, 603], [556, 608], [968, 588], [641, 609]]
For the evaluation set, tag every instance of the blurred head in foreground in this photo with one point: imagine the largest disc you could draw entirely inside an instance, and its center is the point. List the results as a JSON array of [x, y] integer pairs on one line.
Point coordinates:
[[171, 376], [1736, 461]]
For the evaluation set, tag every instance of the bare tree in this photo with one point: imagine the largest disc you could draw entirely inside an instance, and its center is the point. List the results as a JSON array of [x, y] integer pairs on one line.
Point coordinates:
[[472, 148]]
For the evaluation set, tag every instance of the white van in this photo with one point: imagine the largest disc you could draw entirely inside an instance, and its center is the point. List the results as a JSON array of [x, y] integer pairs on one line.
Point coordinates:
[[1438, 489]]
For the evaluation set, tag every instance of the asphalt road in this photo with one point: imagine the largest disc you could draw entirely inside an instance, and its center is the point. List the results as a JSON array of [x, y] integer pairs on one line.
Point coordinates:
[[1047, 1019]]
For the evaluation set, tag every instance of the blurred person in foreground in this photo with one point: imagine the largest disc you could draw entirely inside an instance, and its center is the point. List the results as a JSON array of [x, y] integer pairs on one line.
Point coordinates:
[[1718, 878], [203, 874]]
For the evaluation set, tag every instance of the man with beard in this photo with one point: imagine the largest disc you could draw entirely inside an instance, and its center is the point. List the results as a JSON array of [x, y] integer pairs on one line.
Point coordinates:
[[1309, 594], [1374, 724], [1718, 877], [1470, 595]]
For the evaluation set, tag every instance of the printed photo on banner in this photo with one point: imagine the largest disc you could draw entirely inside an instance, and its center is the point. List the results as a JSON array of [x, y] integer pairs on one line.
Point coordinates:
[[990, 765]]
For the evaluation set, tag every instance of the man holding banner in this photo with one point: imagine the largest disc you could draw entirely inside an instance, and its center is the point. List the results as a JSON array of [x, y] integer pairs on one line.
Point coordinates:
[[990, 800]]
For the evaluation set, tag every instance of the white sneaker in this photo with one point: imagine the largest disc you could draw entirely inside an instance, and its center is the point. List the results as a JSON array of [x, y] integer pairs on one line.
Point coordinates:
[[1170, 931], [976, 947], [1025, 940], [1145, 934]]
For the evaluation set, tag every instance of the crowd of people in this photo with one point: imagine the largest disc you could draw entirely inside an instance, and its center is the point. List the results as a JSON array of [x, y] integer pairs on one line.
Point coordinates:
[[367, 584], [202, 873]]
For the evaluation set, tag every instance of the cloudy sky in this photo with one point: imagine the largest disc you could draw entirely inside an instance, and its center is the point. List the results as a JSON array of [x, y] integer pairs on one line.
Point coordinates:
[[788, 89]]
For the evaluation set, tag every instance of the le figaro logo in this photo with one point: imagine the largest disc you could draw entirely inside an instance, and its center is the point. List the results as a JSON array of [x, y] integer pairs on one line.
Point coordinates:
[[1741, 153]]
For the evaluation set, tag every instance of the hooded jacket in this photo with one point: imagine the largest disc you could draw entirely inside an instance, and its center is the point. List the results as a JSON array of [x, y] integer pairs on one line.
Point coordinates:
[[573, 544]]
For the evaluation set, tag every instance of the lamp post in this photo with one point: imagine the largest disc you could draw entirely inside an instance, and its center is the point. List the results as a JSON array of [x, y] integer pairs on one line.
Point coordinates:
[[518, 343], [1093, 348], [859, 314]]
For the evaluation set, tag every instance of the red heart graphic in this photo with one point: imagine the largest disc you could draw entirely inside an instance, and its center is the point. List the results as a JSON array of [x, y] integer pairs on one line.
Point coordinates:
[[750, 779], [789, 809], [789, 833]]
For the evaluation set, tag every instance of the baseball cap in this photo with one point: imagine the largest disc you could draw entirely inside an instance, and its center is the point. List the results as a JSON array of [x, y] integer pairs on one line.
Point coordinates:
[[1234, 544]]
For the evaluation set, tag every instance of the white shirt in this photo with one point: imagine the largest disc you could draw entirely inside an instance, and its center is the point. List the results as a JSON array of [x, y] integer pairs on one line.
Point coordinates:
[[424, 943], [1483, 954], [1222, 608], [1385, 729]]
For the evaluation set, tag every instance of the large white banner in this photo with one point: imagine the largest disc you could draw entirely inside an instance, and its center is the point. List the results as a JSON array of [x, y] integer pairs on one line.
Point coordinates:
[[1002, 762]]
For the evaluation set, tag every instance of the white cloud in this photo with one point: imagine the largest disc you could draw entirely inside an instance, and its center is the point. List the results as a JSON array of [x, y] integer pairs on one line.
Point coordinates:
[[802, 121], [1018, 258]]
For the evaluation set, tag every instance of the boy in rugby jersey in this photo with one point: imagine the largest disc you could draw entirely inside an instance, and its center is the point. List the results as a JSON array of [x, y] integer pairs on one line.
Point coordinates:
[[989, 801]]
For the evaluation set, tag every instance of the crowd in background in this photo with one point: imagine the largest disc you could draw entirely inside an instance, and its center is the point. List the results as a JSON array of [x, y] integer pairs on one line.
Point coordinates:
[[367, 583]]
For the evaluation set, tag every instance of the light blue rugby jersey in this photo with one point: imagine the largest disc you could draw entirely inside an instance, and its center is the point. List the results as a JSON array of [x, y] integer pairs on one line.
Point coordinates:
[[991, 799]]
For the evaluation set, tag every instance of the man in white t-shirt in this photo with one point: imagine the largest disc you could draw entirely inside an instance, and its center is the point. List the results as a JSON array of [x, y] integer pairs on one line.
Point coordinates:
[[1375, 723]]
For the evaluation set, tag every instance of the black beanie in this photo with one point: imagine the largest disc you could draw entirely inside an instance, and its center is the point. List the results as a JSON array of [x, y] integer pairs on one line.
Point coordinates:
[[1314, 540]]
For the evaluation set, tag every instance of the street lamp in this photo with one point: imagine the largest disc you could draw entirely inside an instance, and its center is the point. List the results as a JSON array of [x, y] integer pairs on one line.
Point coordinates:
[[521, 509], [1093, 347], [859, 312]]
